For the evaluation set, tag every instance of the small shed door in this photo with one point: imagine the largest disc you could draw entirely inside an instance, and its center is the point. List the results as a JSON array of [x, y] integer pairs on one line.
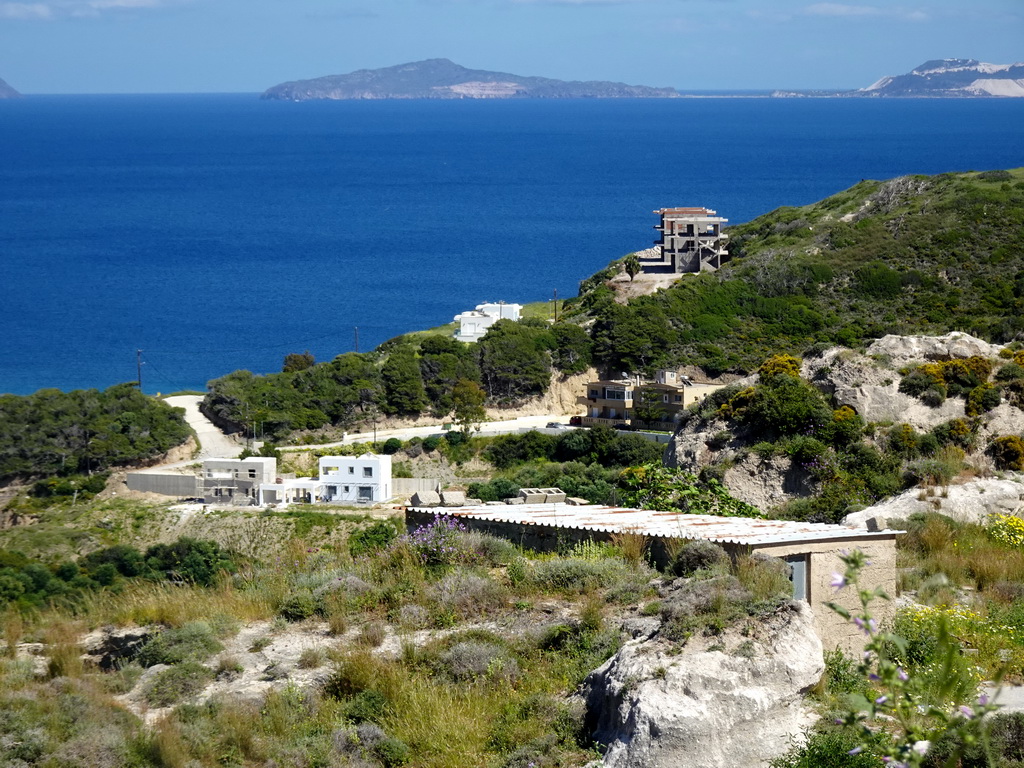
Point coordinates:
[[799, 565]]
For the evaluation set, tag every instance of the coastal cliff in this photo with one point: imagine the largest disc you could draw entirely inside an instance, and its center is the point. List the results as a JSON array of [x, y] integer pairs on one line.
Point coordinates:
[[443, 79]]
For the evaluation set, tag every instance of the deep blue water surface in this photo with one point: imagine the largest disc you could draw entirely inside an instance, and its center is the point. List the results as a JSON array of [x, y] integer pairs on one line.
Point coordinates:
[[221, 232]]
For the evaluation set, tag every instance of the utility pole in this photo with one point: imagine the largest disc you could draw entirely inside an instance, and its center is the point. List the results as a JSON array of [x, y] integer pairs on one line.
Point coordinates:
[[138, 366], [556, 305], [356, 329]]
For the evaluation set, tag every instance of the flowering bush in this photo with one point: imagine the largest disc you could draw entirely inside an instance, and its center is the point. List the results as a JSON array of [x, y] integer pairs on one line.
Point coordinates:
[[1006, 529], [439, 542], [913, 720]]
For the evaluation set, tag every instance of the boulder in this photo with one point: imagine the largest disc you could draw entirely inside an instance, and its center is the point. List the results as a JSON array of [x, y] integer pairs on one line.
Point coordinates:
[[425, 499], [970, 502], [111, 648], [453, 499], [656, 708]]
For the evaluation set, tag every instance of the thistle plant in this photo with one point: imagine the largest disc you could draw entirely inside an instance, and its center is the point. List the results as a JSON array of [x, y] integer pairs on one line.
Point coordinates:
[[897, 703], [439, 543]]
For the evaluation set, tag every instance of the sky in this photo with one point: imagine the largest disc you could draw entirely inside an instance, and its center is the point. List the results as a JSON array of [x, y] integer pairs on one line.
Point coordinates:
[[186, 46]]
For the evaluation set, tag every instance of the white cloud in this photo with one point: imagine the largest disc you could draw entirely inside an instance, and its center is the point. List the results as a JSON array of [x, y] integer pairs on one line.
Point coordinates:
[[101, 5], [848, 10], [25, 11], [55, 9]]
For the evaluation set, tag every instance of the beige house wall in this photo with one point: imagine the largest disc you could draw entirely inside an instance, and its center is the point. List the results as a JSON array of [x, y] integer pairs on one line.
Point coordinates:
[[833, 629]]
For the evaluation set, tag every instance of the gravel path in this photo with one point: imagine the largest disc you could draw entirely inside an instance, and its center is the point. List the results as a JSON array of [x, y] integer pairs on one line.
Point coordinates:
[[213, 443]]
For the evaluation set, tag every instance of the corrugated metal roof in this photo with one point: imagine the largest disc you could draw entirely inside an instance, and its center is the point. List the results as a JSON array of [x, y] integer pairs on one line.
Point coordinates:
[[725, 530]]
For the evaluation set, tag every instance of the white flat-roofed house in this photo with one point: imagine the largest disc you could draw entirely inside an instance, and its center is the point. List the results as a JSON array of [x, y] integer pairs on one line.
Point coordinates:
[[474, 323], [362, 479]]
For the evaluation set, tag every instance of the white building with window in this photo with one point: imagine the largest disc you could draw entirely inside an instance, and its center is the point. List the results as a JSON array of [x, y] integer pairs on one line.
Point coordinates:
[[236, 481], [362, 479], [474, 323]]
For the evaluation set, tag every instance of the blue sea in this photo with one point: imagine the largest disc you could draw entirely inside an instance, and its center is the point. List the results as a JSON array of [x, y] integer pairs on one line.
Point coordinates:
[[217, 232]]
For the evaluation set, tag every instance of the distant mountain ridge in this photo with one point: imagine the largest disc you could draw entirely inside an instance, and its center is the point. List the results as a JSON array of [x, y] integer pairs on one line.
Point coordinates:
[[443, 79], [6, 92], [953, 78]]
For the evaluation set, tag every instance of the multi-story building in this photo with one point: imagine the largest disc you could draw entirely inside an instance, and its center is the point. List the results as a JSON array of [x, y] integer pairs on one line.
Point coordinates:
[[691, 241], [647, 404], [236, 481], [362, 479]]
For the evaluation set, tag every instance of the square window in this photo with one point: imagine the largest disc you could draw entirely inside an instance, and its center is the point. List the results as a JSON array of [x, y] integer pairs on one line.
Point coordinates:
[[351, 470], [367, 471]]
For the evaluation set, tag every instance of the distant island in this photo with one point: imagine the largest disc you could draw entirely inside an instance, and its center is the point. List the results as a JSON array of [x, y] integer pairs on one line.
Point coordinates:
[[6, 92], [939, 78], [443, 79]]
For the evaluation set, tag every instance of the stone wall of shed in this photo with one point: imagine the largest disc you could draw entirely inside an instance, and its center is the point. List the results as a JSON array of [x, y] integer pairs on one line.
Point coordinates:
[[834, 630]]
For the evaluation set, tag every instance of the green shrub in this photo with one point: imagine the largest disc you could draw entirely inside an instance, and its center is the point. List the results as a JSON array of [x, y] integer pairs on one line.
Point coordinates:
[[695, 556], [392, 752], [575, 575], [366, 706], [982, 398], [1010, 372], [830, 748], [1008, 452], [430, 443], [372, 539], [192, 642], [391, 446], [192, 560], [179, 682], [299, 607]]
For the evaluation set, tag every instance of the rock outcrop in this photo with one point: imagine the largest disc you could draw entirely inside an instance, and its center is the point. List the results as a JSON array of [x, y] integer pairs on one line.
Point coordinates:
[[970, 502], [871, 387], [737, 703], [907, 350]]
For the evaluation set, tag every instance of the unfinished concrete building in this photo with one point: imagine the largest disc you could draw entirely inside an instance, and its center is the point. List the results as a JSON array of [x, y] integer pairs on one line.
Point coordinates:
[[691, 241]]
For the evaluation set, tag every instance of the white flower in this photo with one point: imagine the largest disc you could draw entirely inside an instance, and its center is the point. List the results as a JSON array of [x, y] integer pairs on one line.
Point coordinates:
[[921, 746]]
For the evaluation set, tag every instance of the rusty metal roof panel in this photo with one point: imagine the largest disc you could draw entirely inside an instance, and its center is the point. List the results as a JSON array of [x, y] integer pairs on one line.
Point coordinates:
[[724, 530]]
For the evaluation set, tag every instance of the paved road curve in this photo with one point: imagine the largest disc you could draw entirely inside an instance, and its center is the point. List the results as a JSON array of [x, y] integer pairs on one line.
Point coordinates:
[[487, 428]]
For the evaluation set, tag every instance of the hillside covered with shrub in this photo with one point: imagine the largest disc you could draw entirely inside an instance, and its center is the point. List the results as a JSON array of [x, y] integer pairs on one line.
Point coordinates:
[[54, 433], [406, 376], [916, 254]]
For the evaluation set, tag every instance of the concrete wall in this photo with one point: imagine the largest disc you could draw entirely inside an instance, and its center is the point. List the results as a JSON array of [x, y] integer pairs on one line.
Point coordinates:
[[407, 486], [166, 483], [833, 630]]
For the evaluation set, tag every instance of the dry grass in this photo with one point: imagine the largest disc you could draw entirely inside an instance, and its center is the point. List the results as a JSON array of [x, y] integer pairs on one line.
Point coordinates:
[[632, 545], [63, 651], [144, 603]]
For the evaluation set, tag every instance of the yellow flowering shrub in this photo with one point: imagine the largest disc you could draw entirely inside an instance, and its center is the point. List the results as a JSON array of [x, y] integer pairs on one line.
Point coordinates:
[[1006, 529]]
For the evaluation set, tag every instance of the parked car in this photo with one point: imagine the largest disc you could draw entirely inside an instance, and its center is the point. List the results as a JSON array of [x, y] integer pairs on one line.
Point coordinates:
[[575, 421], [555, 425]]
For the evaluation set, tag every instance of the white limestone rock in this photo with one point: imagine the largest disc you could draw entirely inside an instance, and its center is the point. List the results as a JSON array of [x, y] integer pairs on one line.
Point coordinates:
[[768, 483], [705, 707], [970, 502], [910, 350]]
